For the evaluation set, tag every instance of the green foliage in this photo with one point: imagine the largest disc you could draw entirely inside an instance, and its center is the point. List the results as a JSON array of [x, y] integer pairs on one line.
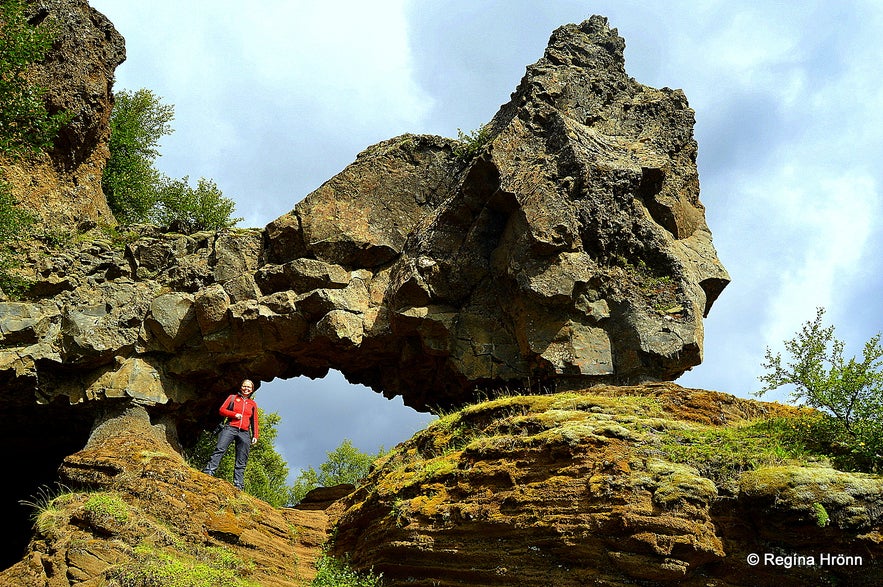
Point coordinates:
[[267, 472], [130, 181], [136, 191], [107, 506], [849, 392], [192, 209], [345, 464], [821, 514], [471, 144], [45, 511], [26, 126], [721, 453], [155, 567], [334, 572], [14, 224]]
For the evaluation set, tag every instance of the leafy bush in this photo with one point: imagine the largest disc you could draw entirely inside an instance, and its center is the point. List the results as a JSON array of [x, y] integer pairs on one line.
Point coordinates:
[[334, 572], [130, 181], [848, 392], [191, 210], [472, 143], [26, 126], [136, 191]]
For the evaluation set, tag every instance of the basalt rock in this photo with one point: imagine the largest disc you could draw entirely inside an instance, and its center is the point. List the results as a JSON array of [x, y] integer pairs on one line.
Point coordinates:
[[62, 188], [565, 246], [562, 246]]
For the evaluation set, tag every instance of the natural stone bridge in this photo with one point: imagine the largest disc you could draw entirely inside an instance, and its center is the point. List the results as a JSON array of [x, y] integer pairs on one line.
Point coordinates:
[[565, 246]]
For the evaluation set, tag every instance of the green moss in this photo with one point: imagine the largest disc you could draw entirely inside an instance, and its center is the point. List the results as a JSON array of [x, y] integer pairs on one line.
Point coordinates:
[[856, 497], [673, 483], [156, 567], [106, 506]]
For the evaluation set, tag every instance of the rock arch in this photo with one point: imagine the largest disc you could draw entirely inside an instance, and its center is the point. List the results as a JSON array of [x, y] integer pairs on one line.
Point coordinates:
[[569, 249]]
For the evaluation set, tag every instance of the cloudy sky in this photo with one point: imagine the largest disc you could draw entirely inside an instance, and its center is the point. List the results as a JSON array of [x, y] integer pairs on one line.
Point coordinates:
[[273, 97]]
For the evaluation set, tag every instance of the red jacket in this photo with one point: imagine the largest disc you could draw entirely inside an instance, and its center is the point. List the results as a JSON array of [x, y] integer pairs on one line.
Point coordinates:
[[241, 405]]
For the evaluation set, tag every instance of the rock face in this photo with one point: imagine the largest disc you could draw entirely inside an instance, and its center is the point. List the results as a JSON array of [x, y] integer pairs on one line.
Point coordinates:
[[569, 248], [63, 188], [604, 486], [572, 247], [145, 517], [588, 488]]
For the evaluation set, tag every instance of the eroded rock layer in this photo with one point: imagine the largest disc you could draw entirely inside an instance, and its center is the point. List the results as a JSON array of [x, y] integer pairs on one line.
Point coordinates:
[[602, 487], [561, 246]]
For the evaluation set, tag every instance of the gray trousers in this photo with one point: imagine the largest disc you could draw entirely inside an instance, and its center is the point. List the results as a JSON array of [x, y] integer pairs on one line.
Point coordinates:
[[243, 447]]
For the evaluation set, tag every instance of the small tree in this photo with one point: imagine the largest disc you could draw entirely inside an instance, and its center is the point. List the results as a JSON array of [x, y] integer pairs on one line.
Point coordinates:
[[190, 209], [849, 392], [136, 191], [345, 464], [130, 182]]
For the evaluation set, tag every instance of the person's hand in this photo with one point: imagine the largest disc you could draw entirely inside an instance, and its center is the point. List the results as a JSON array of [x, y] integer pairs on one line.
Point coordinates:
[[254, 441], [238, 416]]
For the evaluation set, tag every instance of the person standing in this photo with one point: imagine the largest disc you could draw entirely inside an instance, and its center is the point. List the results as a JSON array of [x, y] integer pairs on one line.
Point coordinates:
[[242, 428]]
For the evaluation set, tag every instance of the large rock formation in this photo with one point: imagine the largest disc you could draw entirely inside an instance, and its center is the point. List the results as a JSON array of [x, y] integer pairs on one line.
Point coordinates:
[[606, 487], [564, 246], [63, 187], [570, 249]]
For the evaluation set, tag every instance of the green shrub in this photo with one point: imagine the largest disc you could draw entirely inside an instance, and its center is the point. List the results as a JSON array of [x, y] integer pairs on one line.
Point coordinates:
[[471, 144], [848, 392], [26, 126], [192, 209], [136, 191], [345, 464], [130, 181], [334, 572]]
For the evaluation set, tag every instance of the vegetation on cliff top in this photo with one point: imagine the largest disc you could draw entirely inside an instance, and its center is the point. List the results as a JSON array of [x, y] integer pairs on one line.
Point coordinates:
[[136, 191], [26, 126], [849, 393], [502, 428]]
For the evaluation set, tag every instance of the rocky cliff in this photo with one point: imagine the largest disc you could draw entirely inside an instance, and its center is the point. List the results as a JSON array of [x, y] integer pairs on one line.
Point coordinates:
[[563, 246], [63, 187], [652, 485]]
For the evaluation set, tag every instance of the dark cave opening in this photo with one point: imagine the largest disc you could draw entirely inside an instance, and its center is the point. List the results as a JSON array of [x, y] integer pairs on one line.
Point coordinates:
[[41, 437]]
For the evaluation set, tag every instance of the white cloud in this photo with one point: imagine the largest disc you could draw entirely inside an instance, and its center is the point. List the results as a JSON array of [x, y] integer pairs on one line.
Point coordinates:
[[833, 224]]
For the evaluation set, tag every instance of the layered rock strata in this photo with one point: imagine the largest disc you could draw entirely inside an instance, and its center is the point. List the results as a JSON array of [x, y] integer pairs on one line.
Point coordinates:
[[602, 487], [561, 246]]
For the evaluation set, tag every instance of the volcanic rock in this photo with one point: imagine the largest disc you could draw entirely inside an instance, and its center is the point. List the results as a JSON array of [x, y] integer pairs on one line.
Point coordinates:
[[63, 187]]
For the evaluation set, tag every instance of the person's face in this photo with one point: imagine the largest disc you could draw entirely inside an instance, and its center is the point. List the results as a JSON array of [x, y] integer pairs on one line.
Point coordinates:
[[247, 388]]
